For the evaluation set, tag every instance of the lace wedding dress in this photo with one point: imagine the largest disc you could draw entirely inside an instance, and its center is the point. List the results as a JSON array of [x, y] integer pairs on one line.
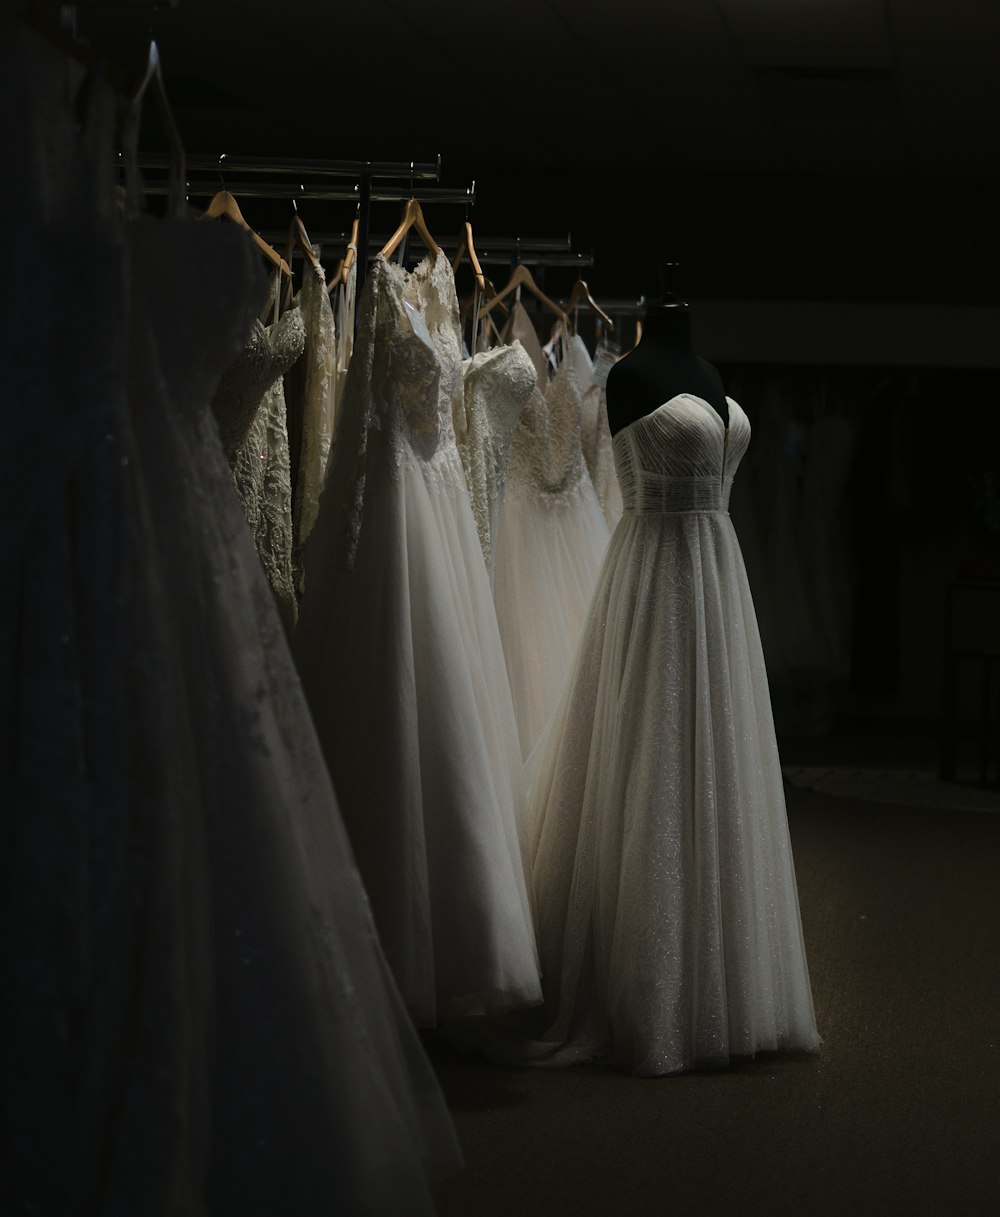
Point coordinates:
[[315, 403], [496, 386], [552, 538], [403, 667], [197, 1017], [666, 907], [249, 406]]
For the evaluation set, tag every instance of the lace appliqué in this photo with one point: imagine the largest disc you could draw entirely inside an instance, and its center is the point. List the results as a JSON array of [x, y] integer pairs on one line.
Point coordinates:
[[318, 404], [402, 384], [497, 386], [546, 454], [249, 405]]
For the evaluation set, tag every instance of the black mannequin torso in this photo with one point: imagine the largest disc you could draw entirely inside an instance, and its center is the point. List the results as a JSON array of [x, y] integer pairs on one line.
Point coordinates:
[[663, 365]]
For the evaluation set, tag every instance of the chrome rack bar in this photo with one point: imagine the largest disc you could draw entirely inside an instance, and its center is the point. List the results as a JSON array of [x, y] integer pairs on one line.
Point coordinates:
[[403, 170]]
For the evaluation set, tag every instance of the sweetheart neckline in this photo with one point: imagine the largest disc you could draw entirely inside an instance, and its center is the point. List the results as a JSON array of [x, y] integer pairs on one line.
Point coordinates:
[[701, 401]]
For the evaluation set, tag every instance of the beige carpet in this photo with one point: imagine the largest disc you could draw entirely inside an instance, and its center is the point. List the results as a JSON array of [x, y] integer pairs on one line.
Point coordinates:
[[900, 1114]]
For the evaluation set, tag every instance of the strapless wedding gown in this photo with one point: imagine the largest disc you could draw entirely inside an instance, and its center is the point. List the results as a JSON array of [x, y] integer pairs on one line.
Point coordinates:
[[667, 912]]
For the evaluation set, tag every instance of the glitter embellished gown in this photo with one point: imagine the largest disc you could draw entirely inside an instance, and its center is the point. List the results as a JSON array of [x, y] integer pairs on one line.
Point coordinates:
[[667, 912]]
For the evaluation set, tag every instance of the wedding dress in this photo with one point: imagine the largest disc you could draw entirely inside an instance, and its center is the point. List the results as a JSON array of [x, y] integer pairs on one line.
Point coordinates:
[[666, 907], [249, 405], [197, 1017], [496, 386], [402, 664], [595, 432], [552, 538], [315, 404]]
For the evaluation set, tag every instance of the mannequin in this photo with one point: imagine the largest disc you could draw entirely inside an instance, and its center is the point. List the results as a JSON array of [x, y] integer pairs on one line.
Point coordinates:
[[663, 365]]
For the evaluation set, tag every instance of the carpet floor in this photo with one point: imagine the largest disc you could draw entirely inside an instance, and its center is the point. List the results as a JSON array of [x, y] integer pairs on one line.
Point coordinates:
[[899, 1113]]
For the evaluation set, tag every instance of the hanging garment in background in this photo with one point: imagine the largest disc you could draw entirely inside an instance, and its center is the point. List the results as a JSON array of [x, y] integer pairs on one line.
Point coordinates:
[[402, 663], [344, 309], [313, 404], [595, 432], [551, 540], [520, 328], [496, 386], [197, 1016], [666, 906], [249, 405]]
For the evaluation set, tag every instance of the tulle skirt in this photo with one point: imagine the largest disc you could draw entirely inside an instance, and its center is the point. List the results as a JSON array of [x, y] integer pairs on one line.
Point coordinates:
[[549, 553], [403, 666], [667, 912]]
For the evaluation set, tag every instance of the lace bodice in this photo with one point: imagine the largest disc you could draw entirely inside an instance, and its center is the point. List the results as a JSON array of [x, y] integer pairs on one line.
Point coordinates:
[[269, 353], [249, 405], [402, 383], [496, 387], [546, 456], [316, 407], [681, 457]]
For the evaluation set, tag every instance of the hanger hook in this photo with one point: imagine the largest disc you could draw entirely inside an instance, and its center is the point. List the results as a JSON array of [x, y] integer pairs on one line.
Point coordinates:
[[222, 178], [411, 179]]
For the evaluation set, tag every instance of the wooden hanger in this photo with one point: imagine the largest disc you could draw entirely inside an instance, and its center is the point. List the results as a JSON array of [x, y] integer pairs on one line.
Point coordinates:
[[223, 204], [297, 235], [522, 277], [340, 275], [467, 247], [413, 217], [580, 294]]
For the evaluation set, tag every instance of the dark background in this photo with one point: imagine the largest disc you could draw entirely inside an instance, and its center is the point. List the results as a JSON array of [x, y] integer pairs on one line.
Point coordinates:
[[826, 172]]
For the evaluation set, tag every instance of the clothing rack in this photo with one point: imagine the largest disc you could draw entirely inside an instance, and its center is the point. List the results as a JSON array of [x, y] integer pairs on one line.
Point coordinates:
[[297, 178]]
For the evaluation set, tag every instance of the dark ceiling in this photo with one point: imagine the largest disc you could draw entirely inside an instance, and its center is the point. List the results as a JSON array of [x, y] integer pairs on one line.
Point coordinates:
[[838, 148], [835, 86]]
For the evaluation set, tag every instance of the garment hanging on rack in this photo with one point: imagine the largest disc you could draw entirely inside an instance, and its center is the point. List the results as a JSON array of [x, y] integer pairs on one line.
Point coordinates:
[[402, 663], [197, 1015], [666, 907], [249, 405], [595, 432], [313, 403], [496, 387], [344, 309], [519, 327], [551, 540]]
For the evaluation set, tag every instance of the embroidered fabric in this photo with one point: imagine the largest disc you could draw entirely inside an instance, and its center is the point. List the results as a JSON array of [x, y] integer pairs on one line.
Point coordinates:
[[249, 405], [317, 406], [552, 538], [666, 907], [496, 386], [402, 663]]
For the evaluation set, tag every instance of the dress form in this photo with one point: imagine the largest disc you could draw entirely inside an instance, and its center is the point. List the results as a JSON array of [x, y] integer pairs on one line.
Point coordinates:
[[663, 365]]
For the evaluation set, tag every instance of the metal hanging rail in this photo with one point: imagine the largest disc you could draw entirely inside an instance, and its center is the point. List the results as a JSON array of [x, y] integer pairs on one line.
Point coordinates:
[[422, 171]]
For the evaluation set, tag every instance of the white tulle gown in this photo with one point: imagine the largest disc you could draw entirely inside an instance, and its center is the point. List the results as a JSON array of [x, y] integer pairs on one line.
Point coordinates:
[[551, 540], [197, 1017], [403, 667], [667, 911]]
